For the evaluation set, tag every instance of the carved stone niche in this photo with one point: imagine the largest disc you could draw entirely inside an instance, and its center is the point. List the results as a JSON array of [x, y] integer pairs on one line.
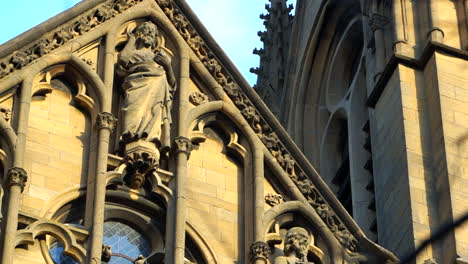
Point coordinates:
[[232, 138], [292, 239]]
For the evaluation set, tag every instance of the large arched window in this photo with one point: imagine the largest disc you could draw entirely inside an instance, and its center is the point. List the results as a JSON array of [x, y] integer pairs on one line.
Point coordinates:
[[127, 244]]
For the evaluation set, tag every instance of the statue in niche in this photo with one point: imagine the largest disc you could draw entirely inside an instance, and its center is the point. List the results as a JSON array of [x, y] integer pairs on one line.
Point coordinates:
[[149, 85], [296, 247]]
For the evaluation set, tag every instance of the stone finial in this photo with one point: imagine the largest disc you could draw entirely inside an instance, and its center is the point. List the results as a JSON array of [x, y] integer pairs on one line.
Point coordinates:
[[182, 144], [106, 120], [259, 251], [17, 176]]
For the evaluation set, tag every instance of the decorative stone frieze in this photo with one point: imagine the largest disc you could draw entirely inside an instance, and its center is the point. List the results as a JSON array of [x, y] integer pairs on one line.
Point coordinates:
[[259, 125], [259, 251], [182, 144], [5, 113], [377, 21], [273, 199], [197, 98], [106, 120], [74, 28], [17, 176]]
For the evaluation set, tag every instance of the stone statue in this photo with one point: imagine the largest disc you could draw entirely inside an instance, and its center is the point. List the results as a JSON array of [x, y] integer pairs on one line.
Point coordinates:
[[149, 85], [296, 246]]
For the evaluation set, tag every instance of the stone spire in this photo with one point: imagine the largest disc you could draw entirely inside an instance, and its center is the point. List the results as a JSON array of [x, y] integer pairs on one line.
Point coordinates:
[[272, 70]]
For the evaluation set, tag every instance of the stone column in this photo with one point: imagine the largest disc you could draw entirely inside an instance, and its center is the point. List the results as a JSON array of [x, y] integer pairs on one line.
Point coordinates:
[[106, 123], [259, 253], [376, 24], [16, 178], [400, 46], [183, 147], [435, 32], [259, 202]]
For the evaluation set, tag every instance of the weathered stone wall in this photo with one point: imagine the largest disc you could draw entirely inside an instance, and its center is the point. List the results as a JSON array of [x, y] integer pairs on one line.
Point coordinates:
[[215, 198], [57, 148]]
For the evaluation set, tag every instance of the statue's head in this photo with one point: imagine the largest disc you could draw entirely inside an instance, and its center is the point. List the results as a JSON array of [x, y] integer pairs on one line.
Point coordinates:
[[146, 33], [297, 240]]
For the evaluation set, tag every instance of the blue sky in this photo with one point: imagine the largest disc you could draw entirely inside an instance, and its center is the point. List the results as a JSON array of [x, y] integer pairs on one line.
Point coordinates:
[[233, 24]]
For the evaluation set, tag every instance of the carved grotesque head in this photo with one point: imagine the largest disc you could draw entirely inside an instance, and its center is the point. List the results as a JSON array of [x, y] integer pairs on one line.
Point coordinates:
[[146, 34], [297, 241]]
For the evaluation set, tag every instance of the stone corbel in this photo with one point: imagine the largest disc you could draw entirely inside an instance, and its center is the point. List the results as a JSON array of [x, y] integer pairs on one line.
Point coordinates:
[[17, 176]]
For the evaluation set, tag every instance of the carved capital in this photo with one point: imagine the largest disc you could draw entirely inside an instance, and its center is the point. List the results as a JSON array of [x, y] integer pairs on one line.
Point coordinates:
[[259, 251], [377, 21], [106, 120], [182, 144], [17, 176]]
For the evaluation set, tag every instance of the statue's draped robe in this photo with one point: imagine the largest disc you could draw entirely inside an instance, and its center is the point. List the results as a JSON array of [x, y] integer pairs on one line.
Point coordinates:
[[148, 98]]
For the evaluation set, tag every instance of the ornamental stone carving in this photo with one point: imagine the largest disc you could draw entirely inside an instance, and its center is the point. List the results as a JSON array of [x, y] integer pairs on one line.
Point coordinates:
[[5, 113], [251, 113], [17, 176], [296, 246], [183, 144], [197, 98], [259, 251], [377, 21], [106, 253], [149, 86], [141, 158], [273, 199], [73, 29], [106, 120]]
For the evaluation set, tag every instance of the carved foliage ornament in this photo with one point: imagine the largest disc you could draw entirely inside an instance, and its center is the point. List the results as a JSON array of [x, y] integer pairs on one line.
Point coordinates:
[[377, 21], [106, 120], [17, 176], [140, 164], [259, 251], [258, 123], [197, 98], [71, 30], [183, 144], [273, 199]]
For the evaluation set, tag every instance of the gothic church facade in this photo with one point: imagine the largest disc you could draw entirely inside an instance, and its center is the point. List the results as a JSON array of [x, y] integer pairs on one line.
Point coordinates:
[[127, 136]]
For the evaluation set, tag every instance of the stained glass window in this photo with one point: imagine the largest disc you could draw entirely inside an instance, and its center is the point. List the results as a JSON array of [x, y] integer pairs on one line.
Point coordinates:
[[126, 243], [56, 253]]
